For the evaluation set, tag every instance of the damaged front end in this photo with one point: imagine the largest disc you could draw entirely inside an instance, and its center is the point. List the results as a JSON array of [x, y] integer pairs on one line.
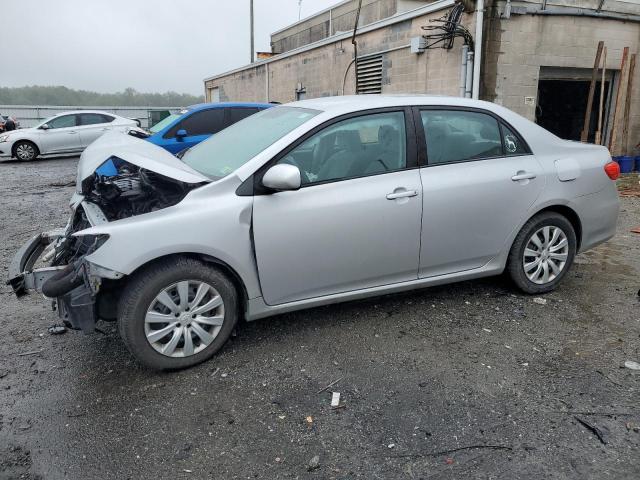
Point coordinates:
[[130, 182]]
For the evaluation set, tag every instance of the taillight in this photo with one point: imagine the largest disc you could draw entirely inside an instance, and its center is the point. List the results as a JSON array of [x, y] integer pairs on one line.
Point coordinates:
[[612, 169]]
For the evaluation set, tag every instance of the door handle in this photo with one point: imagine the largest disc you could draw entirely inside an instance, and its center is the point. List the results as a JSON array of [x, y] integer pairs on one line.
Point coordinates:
[[403, 194], [72, 132], [523, 176]]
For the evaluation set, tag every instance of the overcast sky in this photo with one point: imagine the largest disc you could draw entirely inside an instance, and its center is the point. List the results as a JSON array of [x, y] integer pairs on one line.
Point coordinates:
[[150, 45]]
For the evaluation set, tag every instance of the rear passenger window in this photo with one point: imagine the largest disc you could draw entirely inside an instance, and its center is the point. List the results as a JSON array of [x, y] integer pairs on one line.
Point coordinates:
[[513, 144], [457, 136], [91, 119], [236, 114]]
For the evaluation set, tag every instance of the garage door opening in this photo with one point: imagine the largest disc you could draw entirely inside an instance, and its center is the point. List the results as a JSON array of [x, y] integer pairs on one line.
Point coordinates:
[[562, 105]]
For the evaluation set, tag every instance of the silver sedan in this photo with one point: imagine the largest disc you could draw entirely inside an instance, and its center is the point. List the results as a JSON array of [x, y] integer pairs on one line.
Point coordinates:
[[63, 134], [313, 203]]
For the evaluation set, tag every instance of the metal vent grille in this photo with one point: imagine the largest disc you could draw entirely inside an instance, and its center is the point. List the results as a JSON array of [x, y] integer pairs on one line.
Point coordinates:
[[370, 75]]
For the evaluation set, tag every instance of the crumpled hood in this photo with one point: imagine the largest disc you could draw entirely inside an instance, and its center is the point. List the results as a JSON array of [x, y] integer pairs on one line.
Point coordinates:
[[137, 152]]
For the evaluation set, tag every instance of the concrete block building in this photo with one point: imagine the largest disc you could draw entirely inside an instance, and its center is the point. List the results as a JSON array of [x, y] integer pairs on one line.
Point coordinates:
[[535, 57]]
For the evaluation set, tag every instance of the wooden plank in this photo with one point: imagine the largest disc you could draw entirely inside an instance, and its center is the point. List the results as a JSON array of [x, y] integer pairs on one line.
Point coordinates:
[[619, 97], [604, 71], [627, 104], [592, 88]]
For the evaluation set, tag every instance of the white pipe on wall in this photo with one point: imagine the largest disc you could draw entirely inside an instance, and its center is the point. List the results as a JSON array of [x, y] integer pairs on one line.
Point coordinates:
[[463, 71], [477, 58], [469, 82]]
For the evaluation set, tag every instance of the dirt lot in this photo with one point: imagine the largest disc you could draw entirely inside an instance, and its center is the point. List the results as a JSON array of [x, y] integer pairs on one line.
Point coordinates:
[[472, 380]]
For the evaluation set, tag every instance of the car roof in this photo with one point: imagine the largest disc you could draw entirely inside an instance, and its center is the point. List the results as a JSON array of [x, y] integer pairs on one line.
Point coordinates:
[[354, 103], [205, 106], [72, 112]]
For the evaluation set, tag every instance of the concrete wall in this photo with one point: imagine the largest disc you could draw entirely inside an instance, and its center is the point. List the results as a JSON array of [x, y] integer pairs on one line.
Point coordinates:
[[340, 18], [321, 70], [517, 47]]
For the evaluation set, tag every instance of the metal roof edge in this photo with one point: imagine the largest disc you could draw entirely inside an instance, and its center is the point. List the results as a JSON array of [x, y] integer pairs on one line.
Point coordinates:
[[401, 17]]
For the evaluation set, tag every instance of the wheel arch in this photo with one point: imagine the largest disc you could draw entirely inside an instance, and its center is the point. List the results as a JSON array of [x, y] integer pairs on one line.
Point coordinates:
[[24, 140], [227, 269], [570, 214]]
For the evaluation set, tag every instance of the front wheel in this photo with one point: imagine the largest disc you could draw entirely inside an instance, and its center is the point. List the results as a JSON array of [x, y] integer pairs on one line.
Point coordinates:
[[542, 253], [25, 151], [177, 314]]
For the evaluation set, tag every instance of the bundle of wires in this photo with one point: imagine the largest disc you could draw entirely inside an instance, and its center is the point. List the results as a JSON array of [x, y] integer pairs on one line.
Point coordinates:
[[447, 28]]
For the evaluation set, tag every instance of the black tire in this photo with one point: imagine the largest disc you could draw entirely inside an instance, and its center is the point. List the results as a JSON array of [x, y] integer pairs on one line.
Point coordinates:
[[515, 266], [142, 289], [30, 146]]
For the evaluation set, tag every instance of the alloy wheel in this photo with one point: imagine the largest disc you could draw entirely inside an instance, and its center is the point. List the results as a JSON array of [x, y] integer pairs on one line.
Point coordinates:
[[184, 318], [545, 255]]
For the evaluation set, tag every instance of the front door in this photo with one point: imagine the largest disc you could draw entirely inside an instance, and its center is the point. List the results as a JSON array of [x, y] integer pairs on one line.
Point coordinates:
[[62, 135], [354, 223], [479, 183]]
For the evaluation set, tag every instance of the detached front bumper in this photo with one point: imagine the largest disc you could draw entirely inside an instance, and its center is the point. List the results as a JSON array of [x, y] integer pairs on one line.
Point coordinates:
[[76, 306], [22, 277]]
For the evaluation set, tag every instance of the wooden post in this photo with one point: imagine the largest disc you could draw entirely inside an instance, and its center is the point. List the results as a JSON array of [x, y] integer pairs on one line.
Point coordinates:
[[604, 71], [627, 105], [592, 88], [619, 96]]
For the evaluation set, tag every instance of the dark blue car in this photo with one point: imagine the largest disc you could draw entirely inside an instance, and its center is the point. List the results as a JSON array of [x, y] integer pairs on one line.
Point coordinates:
[[196, 123]]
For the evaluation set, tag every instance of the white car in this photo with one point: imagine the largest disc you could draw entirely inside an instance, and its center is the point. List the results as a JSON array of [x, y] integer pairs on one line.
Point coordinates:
[[65, 133]]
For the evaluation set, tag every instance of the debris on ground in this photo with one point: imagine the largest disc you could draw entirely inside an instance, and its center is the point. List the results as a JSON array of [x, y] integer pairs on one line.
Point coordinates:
[[540, 301], [57, 329], [33, 352], [309, 420], [632, 365], [64, 183], [330, 385], [313, 464], [335, 399], [593, 429], [635, 230]]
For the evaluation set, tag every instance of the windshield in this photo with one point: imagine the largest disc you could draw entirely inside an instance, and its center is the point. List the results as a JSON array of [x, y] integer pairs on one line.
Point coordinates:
[[164, 122], [232, 147]]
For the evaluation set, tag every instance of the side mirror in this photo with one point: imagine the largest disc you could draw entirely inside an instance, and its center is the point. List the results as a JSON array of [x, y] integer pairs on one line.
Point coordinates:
[[180, 134], [45, 126], [282, 177]]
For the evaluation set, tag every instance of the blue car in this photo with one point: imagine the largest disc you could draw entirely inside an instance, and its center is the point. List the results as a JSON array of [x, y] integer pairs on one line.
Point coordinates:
[[196, 123]]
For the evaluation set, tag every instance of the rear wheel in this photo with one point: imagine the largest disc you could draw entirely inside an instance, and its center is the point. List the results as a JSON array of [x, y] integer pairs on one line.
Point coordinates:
[[542, 253], [25, 150], [177, 314]]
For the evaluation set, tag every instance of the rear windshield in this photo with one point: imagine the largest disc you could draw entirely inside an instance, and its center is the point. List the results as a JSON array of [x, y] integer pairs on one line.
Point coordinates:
[[229, 149]]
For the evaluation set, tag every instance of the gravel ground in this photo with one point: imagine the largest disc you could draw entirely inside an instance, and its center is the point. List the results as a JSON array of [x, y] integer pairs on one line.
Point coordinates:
[[472, 380]]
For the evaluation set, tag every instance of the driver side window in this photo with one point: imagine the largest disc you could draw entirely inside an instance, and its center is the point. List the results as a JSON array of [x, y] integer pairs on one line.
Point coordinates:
[[356, 147], [64, 121]]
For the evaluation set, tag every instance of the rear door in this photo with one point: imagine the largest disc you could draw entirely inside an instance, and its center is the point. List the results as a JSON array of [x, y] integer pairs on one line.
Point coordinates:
[[354, 223], [62, 135], [92, 126], [479, 181], [198, 126]]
